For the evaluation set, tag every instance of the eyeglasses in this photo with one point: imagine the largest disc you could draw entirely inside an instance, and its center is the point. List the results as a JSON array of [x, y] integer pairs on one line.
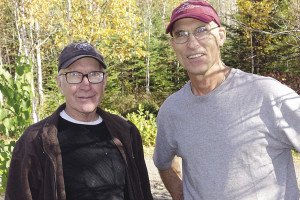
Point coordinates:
[[77, 77], [200, 33]]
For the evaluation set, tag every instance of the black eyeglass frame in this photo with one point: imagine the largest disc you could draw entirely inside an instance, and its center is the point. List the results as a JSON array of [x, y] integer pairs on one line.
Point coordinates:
[[84, 75]]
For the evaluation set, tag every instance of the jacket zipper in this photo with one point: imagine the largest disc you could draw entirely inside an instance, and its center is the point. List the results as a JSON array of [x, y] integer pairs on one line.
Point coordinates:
[[54, 177]]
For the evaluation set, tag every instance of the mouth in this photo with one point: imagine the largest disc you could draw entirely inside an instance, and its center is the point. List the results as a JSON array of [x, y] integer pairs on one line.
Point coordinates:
[[83, 98], [198, 55]]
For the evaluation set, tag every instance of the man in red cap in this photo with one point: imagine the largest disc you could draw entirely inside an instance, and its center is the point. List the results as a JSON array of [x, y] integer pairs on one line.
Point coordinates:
[[233, 130]]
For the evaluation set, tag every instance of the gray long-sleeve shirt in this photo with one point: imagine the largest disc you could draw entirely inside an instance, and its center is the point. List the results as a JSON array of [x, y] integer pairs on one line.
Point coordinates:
[[235, 142]]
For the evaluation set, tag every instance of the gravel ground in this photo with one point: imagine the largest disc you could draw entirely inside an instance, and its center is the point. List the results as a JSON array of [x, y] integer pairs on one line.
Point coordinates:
[[157, 188]]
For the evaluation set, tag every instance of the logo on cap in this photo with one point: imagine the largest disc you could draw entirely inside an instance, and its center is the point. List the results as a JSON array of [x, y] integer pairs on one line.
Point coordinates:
[[83, 46], [186, 6]]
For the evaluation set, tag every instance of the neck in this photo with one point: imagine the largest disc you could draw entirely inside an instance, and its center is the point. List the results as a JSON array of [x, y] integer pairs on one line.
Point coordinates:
[[83, 117], [204, 84]]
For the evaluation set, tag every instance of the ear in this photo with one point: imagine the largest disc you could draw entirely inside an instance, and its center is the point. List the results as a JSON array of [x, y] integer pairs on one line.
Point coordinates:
[[105, 80], [171, 43], [59, 84], [222, 36]]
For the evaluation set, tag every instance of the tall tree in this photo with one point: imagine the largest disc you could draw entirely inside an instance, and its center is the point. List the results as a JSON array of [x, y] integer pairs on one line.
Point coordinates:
[[259, 25]]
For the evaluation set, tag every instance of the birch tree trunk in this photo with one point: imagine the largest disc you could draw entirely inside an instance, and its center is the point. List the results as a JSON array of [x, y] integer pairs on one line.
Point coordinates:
[[148, 58], [17, 19], [39, 65], [69, 9], [149, 29], [23, 34], [23, 48]]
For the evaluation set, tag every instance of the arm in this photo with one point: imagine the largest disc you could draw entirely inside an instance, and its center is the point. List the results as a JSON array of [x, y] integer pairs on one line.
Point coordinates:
[[172, 181], [140, 163], [288, 116], [17, 181], [23, 181]]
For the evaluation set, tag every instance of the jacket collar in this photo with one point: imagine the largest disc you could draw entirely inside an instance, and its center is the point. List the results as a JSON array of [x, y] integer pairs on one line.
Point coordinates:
[[118, 128]]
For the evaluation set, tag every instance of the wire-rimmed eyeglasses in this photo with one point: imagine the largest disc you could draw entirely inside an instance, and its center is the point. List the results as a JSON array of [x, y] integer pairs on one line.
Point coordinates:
[[200, 33], [75, 77]]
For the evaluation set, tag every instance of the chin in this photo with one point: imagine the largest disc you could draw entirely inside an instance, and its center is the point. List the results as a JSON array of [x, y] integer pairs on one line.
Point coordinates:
[[197, 72], [88, 108]]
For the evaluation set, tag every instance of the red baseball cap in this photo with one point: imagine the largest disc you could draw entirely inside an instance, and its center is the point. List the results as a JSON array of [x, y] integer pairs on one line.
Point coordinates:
[[197, 9]]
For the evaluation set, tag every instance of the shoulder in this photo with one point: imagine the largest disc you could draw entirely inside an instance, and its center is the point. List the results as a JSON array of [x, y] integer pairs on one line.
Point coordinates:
[[33, 130], [28, 140], [266, 86]]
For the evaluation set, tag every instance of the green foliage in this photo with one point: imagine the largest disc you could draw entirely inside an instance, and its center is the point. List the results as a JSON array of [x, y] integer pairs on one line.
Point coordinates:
[[146, 123], [6, 148], [15, 111], [262, 39], [129, 103], [167, 75], [118, 102], [17, 96], [50, 104]]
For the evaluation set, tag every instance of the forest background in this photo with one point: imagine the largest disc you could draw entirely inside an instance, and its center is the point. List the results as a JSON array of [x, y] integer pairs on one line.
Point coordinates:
[[263, 37]]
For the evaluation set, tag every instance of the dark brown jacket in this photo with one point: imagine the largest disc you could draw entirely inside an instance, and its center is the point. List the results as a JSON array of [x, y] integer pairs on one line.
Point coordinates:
[[36, 171]]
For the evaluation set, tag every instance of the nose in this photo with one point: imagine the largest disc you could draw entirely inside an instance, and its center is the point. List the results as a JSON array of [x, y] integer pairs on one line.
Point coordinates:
[[85, 80], [192, 42]]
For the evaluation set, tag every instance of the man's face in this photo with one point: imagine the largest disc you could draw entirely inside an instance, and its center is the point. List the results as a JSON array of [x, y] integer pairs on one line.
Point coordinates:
[[198, 56], [83, 98]]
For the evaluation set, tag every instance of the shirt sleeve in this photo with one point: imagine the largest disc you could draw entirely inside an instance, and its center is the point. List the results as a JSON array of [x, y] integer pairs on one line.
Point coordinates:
[[289, 118], [18, 185], [165, 146]]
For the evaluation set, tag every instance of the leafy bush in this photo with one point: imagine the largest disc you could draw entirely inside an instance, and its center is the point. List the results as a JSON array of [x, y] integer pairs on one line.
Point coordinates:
[[118, 102], [146, 123], [5, 156], [129, 103], [15, 110]]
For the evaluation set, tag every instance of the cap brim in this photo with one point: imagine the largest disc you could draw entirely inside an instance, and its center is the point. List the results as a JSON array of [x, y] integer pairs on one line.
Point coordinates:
[[204, 18], [71, 61]]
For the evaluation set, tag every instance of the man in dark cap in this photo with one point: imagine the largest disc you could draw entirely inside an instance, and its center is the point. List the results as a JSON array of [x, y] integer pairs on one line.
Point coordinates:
[[233, 130], [80, 152]]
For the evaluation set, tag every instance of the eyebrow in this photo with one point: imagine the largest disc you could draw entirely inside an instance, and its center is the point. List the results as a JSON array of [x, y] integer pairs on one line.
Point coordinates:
[[187, 31]]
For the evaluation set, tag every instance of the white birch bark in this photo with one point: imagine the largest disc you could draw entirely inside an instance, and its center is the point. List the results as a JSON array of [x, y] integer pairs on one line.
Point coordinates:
[[149, 29], [39, 65], [23, 50]]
